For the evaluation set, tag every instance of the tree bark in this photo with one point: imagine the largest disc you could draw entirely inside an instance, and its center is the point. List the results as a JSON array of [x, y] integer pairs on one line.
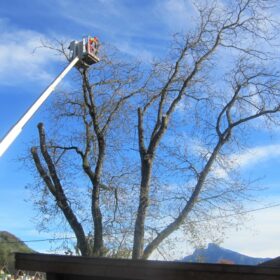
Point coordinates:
[[95, 206], [52, 181], [138, 242], [95, 179]]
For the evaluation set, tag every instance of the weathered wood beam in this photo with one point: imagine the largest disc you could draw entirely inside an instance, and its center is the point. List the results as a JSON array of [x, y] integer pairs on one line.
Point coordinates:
[[72, 268]]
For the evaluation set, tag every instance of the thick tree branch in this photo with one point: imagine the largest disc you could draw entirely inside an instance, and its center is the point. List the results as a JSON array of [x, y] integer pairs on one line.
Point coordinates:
[[188, 207], [57, 190]]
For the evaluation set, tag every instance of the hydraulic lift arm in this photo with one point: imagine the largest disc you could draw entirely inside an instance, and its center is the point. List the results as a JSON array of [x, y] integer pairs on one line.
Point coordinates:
[[83, 53], [17, 128]]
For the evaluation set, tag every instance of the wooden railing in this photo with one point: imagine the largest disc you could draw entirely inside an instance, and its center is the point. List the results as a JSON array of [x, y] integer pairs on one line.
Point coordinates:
[[74, 268]]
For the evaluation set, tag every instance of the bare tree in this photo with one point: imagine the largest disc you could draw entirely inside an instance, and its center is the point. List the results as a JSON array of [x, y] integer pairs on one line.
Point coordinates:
[[95, 115], [219, 27], [184, 117]]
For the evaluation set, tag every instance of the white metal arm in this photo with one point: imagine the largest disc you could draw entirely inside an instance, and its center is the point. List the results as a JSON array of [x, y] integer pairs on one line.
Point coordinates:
[[17, 128]]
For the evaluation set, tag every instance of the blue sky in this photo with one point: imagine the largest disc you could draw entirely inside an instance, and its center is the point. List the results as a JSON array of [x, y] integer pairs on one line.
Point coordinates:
[[138, 28]]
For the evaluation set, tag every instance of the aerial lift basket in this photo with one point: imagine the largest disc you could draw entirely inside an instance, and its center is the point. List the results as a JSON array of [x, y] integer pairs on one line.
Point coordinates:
[[86, 50]]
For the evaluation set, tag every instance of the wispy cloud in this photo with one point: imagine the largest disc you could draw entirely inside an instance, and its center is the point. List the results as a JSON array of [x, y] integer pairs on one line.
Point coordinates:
[[144, 26], [176, 14], [256, 155], [248, 158], [19, 61]]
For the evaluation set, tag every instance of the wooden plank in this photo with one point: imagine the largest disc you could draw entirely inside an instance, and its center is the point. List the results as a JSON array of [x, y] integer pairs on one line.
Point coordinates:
[[141, 270], [52, 276]]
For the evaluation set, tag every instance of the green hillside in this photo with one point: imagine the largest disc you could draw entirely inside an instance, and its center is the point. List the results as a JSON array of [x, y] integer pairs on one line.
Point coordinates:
[[9, 244]]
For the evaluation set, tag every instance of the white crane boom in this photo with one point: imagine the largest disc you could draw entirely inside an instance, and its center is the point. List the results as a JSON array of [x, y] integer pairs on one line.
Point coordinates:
[[17, 128], [83, 54]]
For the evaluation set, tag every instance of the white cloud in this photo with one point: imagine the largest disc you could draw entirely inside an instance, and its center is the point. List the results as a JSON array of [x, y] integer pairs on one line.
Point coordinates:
[[177, 14], [248, 158], [137, 29], [140, 54], [19, 59], [255, 155], [260, 237]]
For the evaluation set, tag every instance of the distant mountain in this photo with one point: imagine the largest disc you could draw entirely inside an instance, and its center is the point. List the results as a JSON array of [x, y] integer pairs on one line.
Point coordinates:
[[9, 244], [216, 254]]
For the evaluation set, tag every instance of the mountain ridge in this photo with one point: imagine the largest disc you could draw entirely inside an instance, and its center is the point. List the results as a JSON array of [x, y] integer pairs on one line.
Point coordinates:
[[9, 244], [216, 254]]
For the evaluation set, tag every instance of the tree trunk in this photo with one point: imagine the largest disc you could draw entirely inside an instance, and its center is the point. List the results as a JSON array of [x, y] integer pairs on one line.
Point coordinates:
[[96, 212], [138, 244]]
